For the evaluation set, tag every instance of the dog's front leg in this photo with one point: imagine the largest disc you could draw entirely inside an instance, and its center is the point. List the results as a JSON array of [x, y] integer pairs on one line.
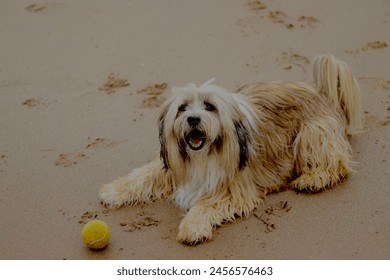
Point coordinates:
[[143, 184], [198, 224]]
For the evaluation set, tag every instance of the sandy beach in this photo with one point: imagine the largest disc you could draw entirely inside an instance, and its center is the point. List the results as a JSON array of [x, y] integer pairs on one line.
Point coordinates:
[[81, 83]]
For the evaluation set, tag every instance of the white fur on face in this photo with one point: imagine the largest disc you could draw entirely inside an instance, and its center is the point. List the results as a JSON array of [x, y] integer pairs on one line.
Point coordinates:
[[196, 124], [204, 135]]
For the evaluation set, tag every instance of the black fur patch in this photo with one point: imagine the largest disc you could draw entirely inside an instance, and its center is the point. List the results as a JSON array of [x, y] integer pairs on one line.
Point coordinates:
[[243, 141], [163, 147], [218, 143]]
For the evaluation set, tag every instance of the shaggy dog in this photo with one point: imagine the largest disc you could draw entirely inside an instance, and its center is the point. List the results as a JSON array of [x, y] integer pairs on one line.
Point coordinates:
[[222, 152]]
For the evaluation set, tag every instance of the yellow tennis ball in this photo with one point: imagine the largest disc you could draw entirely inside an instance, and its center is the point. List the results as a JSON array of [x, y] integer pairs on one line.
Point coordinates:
[[96, 234]]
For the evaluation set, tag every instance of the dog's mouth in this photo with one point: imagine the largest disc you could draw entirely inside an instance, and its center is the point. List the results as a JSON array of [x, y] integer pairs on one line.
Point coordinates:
[[195, 139]]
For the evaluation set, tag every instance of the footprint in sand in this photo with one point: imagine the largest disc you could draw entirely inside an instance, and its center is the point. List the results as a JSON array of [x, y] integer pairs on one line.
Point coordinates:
[[141, 220], [272, 211], [153, 92], [113, 83], [292, 59], [37, 8], [280, 17], [70, 159]]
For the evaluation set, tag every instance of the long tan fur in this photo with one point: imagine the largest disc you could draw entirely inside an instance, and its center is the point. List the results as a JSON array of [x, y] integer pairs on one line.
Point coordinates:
[[334, 80], [222, 152]]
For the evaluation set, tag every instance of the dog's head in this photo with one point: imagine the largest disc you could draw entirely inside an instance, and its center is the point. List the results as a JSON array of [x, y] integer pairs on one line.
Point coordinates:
[[201, 121]]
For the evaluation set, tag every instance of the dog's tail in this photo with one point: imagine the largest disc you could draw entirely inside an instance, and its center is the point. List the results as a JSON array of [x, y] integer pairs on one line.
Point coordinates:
[[335, 81]]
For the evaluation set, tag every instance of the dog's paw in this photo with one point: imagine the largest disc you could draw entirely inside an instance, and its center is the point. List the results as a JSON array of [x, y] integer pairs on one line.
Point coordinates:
[[194, 233], [110, 195], [310, 183]]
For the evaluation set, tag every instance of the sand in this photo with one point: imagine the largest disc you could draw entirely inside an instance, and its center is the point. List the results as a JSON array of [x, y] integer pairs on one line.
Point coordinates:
[[81, 83]]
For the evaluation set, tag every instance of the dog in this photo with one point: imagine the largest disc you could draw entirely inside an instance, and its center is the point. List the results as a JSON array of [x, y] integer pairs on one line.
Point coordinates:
[[221, 153]]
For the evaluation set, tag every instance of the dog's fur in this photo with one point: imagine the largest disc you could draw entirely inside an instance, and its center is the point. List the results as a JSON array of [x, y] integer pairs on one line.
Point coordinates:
[[222, 152]]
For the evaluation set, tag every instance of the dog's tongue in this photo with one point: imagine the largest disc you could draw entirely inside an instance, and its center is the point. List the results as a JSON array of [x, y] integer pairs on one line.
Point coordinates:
[[196, 141]]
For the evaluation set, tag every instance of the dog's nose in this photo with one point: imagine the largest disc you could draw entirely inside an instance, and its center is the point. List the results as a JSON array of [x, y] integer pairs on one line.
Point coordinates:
[[193, 121]]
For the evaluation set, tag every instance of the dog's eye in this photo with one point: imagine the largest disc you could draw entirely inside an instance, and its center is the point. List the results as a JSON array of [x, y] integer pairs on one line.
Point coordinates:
[[182, 108], [209, 107]]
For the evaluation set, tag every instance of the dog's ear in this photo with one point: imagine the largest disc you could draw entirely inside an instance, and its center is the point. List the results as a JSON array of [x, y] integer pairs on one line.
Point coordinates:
[[162, 138], [163, 146], [243, 139]]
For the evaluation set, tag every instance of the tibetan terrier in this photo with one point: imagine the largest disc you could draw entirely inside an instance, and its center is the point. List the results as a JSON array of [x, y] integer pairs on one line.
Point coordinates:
[[222, 152]]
